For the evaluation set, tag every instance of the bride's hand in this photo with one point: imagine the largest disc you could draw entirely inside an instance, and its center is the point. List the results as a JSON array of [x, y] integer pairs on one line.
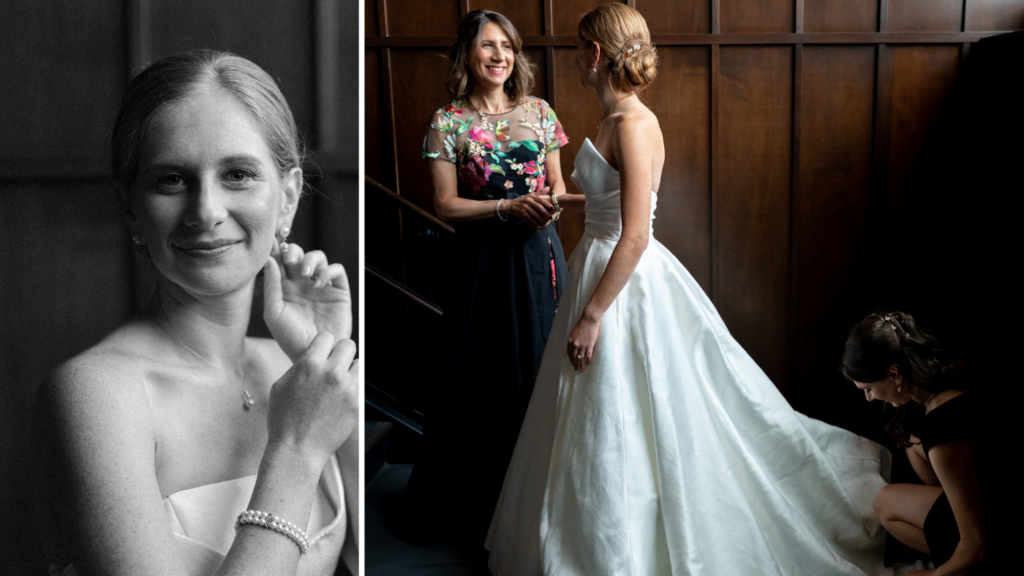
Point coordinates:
[[314, 407], [303, 295], [582, 343]]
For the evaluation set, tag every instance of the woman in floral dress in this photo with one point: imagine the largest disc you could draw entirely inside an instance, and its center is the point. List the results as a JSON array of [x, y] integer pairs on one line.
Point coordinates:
[[493, 155]]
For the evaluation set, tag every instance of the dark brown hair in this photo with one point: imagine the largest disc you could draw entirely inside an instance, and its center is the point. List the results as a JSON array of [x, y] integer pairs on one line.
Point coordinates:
[[887, 339], [460, 81], [622, 34]]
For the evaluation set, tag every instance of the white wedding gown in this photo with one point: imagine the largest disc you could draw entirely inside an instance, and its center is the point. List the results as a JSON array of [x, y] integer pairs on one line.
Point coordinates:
[[673, 453]]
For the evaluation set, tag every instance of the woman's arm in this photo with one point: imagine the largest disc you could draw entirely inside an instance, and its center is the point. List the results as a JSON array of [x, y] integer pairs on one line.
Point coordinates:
[[535, 208], [94, 434], [920, 464], [634, 149], [955, 464], [556, 185]]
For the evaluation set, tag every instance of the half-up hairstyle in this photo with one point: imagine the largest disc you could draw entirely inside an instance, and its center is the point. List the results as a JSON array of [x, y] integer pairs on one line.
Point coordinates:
[[460, 80], [622, 34], [887, 339]]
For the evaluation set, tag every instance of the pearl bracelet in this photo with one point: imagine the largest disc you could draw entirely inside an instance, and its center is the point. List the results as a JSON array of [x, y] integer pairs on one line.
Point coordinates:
[[271, 522]]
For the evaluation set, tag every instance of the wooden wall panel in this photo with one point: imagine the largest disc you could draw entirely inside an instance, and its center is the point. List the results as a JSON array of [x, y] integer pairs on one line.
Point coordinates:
[[752, 202], [567, 14], [841, 15], [996, 15], [681, 99], [926, 15], [215, 25], [60, 117], [526, 15], [419, 87], [676, 17], [922, 80], [371, 18], [833, 212], [540, 77], [580, 113], [375, 132], [757, 16], [418, 18]]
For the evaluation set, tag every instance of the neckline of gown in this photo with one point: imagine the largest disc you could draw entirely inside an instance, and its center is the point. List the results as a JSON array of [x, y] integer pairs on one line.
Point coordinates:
[[586, 141], [594, 148]]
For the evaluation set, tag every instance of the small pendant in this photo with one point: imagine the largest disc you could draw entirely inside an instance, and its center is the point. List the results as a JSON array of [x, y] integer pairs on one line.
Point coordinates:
[[247, 401]]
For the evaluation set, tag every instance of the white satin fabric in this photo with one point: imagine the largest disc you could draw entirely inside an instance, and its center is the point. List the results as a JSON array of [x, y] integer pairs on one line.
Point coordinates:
[[202, 520], [674, 453]]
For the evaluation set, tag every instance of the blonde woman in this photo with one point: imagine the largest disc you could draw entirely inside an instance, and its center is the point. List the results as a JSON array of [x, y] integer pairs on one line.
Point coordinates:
[[178, 445], [653, 444]]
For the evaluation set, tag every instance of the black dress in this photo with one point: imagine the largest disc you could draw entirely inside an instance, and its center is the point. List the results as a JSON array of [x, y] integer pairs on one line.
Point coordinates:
[[506, 284], [960, 418]]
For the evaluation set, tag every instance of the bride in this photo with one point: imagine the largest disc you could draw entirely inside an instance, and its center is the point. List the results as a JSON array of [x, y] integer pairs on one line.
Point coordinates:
[[167, 447], [653, 443]]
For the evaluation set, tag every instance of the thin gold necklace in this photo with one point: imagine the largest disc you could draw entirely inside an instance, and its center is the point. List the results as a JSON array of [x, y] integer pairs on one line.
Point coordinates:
[[247, 400]]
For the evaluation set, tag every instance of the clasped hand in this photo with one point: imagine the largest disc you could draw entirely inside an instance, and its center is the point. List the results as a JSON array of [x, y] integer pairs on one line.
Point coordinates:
[[536, 208]]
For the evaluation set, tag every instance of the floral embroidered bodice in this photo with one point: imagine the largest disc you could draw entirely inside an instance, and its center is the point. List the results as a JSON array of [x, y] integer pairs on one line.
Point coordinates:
[[496, 154]]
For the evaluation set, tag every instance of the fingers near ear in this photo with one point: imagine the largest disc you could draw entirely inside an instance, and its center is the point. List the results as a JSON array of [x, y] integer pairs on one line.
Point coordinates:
[[272, 296]]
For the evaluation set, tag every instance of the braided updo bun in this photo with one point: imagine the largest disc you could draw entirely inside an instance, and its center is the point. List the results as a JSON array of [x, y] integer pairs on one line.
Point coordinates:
[[629, 56]]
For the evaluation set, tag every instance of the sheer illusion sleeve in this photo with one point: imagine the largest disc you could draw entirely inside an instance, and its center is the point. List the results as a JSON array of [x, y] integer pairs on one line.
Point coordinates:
[[439, 142], [554, 136]]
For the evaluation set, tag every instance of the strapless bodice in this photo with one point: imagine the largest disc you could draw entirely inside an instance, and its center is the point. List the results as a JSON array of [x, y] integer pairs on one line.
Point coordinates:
[[202, 520], [600, 184]]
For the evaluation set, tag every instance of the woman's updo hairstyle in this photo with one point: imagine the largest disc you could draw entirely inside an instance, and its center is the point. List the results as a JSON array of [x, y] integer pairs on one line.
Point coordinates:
[[460, 81], [629, 56], [171, 79], [888, 339]]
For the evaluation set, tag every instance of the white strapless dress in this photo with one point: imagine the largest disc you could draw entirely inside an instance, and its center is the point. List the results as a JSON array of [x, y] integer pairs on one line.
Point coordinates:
[[202, 520], [674, 453]]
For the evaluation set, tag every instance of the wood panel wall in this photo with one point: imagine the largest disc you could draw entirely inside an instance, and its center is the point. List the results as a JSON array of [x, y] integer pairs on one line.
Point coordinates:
[[67, 273], [792, 127]]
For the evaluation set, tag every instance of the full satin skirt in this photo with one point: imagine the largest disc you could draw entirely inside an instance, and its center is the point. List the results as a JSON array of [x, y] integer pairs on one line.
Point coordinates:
[[674, 453]]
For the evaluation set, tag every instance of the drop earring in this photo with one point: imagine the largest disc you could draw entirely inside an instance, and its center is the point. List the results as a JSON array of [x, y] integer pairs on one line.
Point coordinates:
[[283, 235]]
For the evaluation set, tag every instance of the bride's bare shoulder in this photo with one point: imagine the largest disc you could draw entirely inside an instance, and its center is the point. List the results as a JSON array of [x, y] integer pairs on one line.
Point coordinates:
[[105, 378], [638, 121]]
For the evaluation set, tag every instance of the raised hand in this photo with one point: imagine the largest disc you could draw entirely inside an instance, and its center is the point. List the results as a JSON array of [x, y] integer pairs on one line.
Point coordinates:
[[303, 295]]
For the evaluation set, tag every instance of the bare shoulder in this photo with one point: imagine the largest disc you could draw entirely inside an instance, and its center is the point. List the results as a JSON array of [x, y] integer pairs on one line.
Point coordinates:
[[102, 381], [637, 125]]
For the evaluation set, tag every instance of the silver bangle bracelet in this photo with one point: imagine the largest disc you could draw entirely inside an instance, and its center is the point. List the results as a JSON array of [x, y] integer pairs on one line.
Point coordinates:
[[280, 525], [497, 208]]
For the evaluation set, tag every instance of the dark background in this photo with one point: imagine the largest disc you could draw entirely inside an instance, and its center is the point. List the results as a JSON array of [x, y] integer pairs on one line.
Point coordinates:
[[820, 167], [68, 274]]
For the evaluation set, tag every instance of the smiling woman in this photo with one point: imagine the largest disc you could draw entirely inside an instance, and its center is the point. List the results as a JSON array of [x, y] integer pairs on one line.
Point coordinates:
[[178, 445], [493, 153]]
